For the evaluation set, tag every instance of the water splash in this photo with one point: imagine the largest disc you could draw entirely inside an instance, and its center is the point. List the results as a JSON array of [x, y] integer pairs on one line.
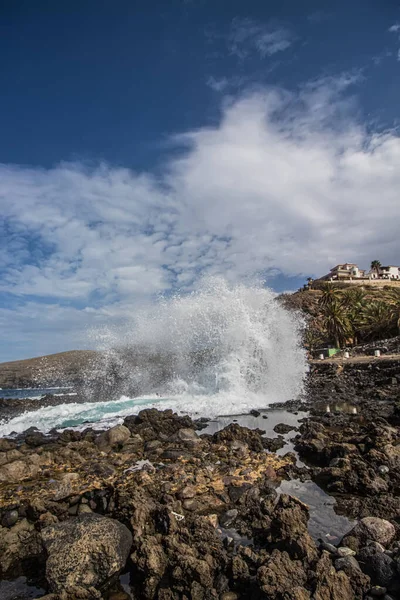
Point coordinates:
[[230, 339], [220, 350]]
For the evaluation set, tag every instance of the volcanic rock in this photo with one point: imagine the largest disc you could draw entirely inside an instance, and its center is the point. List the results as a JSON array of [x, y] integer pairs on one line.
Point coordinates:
[[85, 551], [370, 528]]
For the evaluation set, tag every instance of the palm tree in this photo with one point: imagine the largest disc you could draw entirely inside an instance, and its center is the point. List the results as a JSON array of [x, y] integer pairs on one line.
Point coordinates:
[[375, 266], [337, 323], [355, 301], [330, 293], [379, 320]]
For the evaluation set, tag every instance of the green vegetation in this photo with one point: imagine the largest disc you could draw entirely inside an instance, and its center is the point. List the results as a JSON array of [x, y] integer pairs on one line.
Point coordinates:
[[343, 317]]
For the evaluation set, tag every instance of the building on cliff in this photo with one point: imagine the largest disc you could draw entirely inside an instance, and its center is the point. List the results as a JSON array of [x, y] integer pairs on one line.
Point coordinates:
[[351, 271]]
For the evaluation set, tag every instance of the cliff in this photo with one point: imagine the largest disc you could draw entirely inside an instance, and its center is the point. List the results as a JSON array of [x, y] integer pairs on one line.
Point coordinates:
[[64, 368]]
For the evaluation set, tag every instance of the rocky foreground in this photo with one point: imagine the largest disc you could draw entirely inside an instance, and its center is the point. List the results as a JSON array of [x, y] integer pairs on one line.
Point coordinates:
[[188, 515]]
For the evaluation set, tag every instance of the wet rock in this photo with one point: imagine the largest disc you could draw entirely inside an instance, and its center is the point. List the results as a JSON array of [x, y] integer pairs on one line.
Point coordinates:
[[255, 413], [379, 566], [234, 432], [370, 528], [85, 551], [273, 444], [6, 445], [10, 518], [283, 428]]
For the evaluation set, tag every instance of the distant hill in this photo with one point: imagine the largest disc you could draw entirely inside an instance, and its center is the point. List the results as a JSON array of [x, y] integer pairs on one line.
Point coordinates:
[[64, 368]]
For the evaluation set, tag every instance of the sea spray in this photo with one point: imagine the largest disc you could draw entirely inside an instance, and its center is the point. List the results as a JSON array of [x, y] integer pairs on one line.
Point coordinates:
[[221, 349]]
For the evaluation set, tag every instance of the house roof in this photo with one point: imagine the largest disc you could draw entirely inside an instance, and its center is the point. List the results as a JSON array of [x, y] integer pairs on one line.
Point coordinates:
[[344, 265]]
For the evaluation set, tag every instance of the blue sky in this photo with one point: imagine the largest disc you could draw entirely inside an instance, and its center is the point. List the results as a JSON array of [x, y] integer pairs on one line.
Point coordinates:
[[145, 144]]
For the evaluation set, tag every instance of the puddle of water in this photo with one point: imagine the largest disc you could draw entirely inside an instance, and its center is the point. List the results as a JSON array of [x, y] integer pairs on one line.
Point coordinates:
[[239, 540], [324, 522], [124, 580], [19, 589]]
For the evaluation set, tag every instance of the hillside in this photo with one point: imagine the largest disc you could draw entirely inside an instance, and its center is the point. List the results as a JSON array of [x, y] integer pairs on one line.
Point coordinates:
[[63, 368]]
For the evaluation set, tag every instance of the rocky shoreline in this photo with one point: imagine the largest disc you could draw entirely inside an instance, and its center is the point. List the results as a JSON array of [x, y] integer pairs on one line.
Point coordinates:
[[183, 513]]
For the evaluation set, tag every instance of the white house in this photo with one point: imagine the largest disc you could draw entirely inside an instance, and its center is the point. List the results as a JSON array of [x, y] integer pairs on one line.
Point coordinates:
[[389, 272], [345, 271]]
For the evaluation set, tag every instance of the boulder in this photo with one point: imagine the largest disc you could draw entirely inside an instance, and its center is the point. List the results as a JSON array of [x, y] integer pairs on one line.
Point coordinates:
[[118, 435], [10, 518], [289, 529], [281, 576], [85, 551], [370, 529], [331, 584], [65, 487], [18, 545], [378, 565], [18, 470], [188, 436]]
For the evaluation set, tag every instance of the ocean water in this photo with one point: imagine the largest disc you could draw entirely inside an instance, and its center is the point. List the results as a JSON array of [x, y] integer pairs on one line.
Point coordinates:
[[32, 393], [223, 349]]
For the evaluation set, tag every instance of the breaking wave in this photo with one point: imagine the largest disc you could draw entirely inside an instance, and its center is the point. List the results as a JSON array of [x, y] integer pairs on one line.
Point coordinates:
[[222, 349]]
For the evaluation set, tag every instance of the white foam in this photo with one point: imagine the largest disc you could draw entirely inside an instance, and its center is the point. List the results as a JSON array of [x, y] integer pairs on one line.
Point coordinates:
[[251, 353]]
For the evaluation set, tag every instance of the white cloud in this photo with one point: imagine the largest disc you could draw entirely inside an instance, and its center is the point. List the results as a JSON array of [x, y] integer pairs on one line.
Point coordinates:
[[394, 28], [248, 37], [284, 181], [218, 84]]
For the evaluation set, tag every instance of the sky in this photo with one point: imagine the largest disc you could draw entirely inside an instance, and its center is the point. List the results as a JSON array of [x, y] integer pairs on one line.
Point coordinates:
[[147, 144]]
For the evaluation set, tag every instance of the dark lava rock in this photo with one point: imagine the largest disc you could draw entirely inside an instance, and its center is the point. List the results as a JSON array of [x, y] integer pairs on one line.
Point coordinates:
[[255, 413], [348, 564], [85, 551], [379, 566], [273, 444], [233, 433], [284, 428], [10, 518]]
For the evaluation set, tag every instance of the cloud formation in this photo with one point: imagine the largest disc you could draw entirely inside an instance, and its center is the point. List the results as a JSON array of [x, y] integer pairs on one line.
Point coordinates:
[[248, 37], [284, 182]]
